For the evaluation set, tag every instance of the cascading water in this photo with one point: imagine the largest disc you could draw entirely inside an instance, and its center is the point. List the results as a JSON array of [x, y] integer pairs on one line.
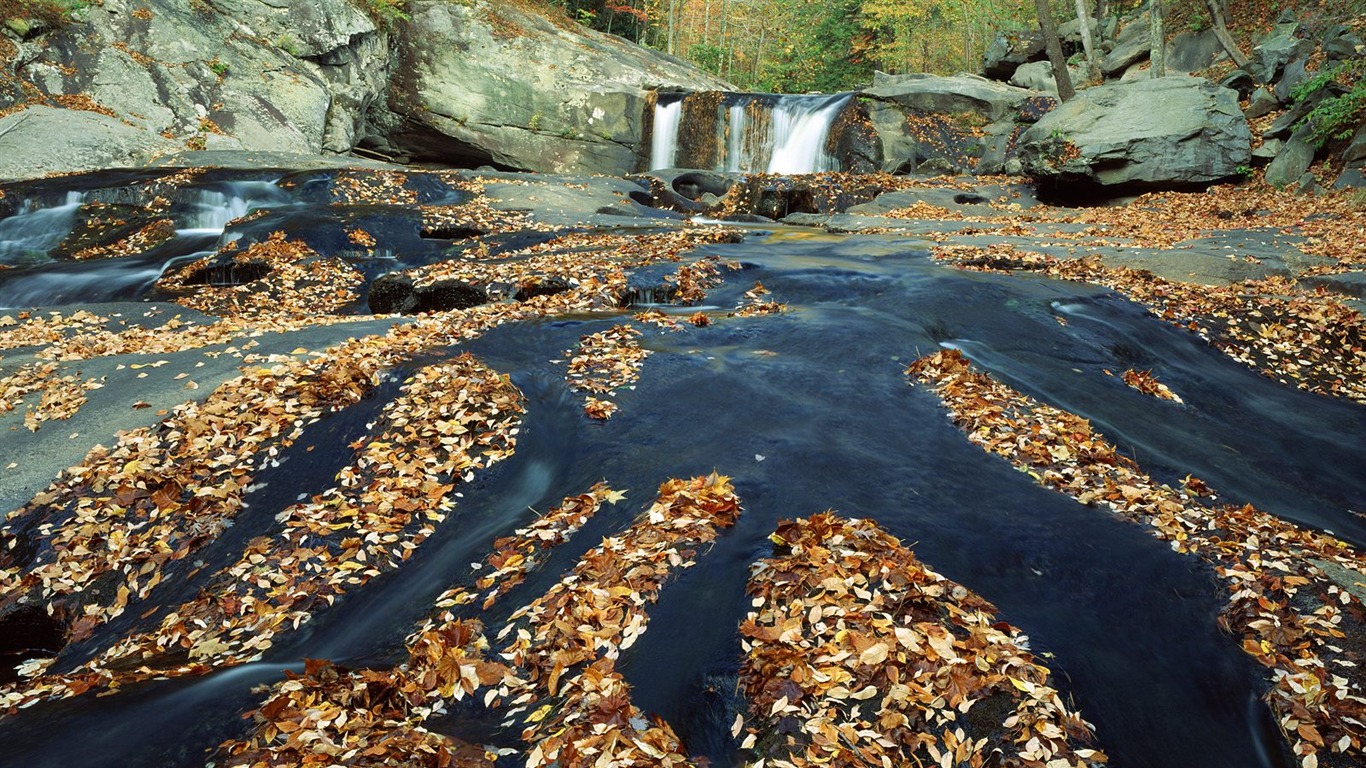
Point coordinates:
[[28, 237], [746, 132], [211, 210], [664, 141]]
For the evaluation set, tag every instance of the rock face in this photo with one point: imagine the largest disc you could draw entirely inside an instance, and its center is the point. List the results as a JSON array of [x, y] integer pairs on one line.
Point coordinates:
[[1169, 132], [963, 122], [485, 82], [464, 83]]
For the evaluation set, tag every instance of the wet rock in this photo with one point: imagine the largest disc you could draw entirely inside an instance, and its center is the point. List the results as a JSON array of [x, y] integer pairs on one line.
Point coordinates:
[[395, 293], [391, 294], [1166, 132], [541, 285], [445, 295]]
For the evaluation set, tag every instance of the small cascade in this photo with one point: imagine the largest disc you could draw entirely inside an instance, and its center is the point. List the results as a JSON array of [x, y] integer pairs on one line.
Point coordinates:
[[210, 210], [746, 132], [28, 235]]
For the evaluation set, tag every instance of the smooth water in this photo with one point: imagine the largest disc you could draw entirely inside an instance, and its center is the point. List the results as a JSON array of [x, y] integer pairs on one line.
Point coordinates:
[[810, 410]]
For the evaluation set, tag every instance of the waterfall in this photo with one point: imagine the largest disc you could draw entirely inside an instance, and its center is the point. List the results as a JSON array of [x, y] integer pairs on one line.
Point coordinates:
[[664, 141], [746, 132]]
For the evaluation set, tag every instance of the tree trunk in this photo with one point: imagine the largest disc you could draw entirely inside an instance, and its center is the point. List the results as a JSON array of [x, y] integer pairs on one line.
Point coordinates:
[[1158, 38], [1092, 60], [672, 29], [1054, 47], [1216, 14], [1102, 7]]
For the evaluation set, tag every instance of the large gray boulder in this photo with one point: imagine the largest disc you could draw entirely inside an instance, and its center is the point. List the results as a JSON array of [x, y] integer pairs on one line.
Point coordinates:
[[484, 82], [1166, 132], [38, 140]]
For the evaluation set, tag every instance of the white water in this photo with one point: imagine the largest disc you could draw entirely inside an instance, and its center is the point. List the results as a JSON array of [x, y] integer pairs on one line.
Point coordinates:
[[801, 125], [664, 141], [29, 234], [791, 139], [212, 210]]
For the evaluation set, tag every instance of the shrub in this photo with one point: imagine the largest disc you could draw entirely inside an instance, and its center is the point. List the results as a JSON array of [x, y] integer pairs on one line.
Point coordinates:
[[1336, 117]]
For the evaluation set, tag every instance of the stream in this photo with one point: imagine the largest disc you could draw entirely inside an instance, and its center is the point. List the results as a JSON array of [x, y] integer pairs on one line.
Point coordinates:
[[808, 410]]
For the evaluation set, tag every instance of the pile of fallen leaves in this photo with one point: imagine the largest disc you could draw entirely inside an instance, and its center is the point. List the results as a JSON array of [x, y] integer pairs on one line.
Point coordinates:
[[449, 421], [296, 281], [1290, 597], [1147, 383], [857, 655], [1300, 337], [605, 362], [556, 677]]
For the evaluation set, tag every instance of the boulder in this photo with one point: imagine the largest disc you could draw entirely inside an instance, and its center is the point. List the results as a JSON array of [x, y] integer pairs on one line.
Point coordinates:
[[235, 74], [1291, 161], [1132, 47], [1193, 51], [489, 83], [957, 94], [1007, 52], [1158, 133], [1261, 102], [922, 119], [37, 141], [1038, 76]]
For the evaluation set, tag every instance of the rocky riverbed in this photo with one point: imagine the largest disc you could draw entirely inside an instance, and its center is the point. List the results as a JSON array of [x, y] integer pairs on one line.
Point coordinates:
[[386, 466]]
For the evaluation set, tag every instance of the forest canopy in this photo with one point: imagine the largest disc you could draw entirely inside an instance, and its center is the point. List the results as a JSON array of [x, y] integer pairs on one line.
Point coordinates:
[[795, 46]]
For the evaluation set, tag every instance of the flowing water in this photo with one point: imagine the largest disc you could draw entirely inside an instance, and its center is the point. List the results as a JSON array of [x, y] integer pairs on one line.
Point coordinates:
[[746, 132], [810, 410]]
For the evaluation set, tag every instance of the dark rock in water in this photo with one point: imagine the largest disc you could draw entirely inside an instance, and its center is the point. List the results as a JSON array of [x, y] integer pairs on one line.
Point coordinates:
[[391, 294], [774, 197], [449, 294], [854, 141], [541, 286], [694, 184], [395, 293], [103, 230]]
